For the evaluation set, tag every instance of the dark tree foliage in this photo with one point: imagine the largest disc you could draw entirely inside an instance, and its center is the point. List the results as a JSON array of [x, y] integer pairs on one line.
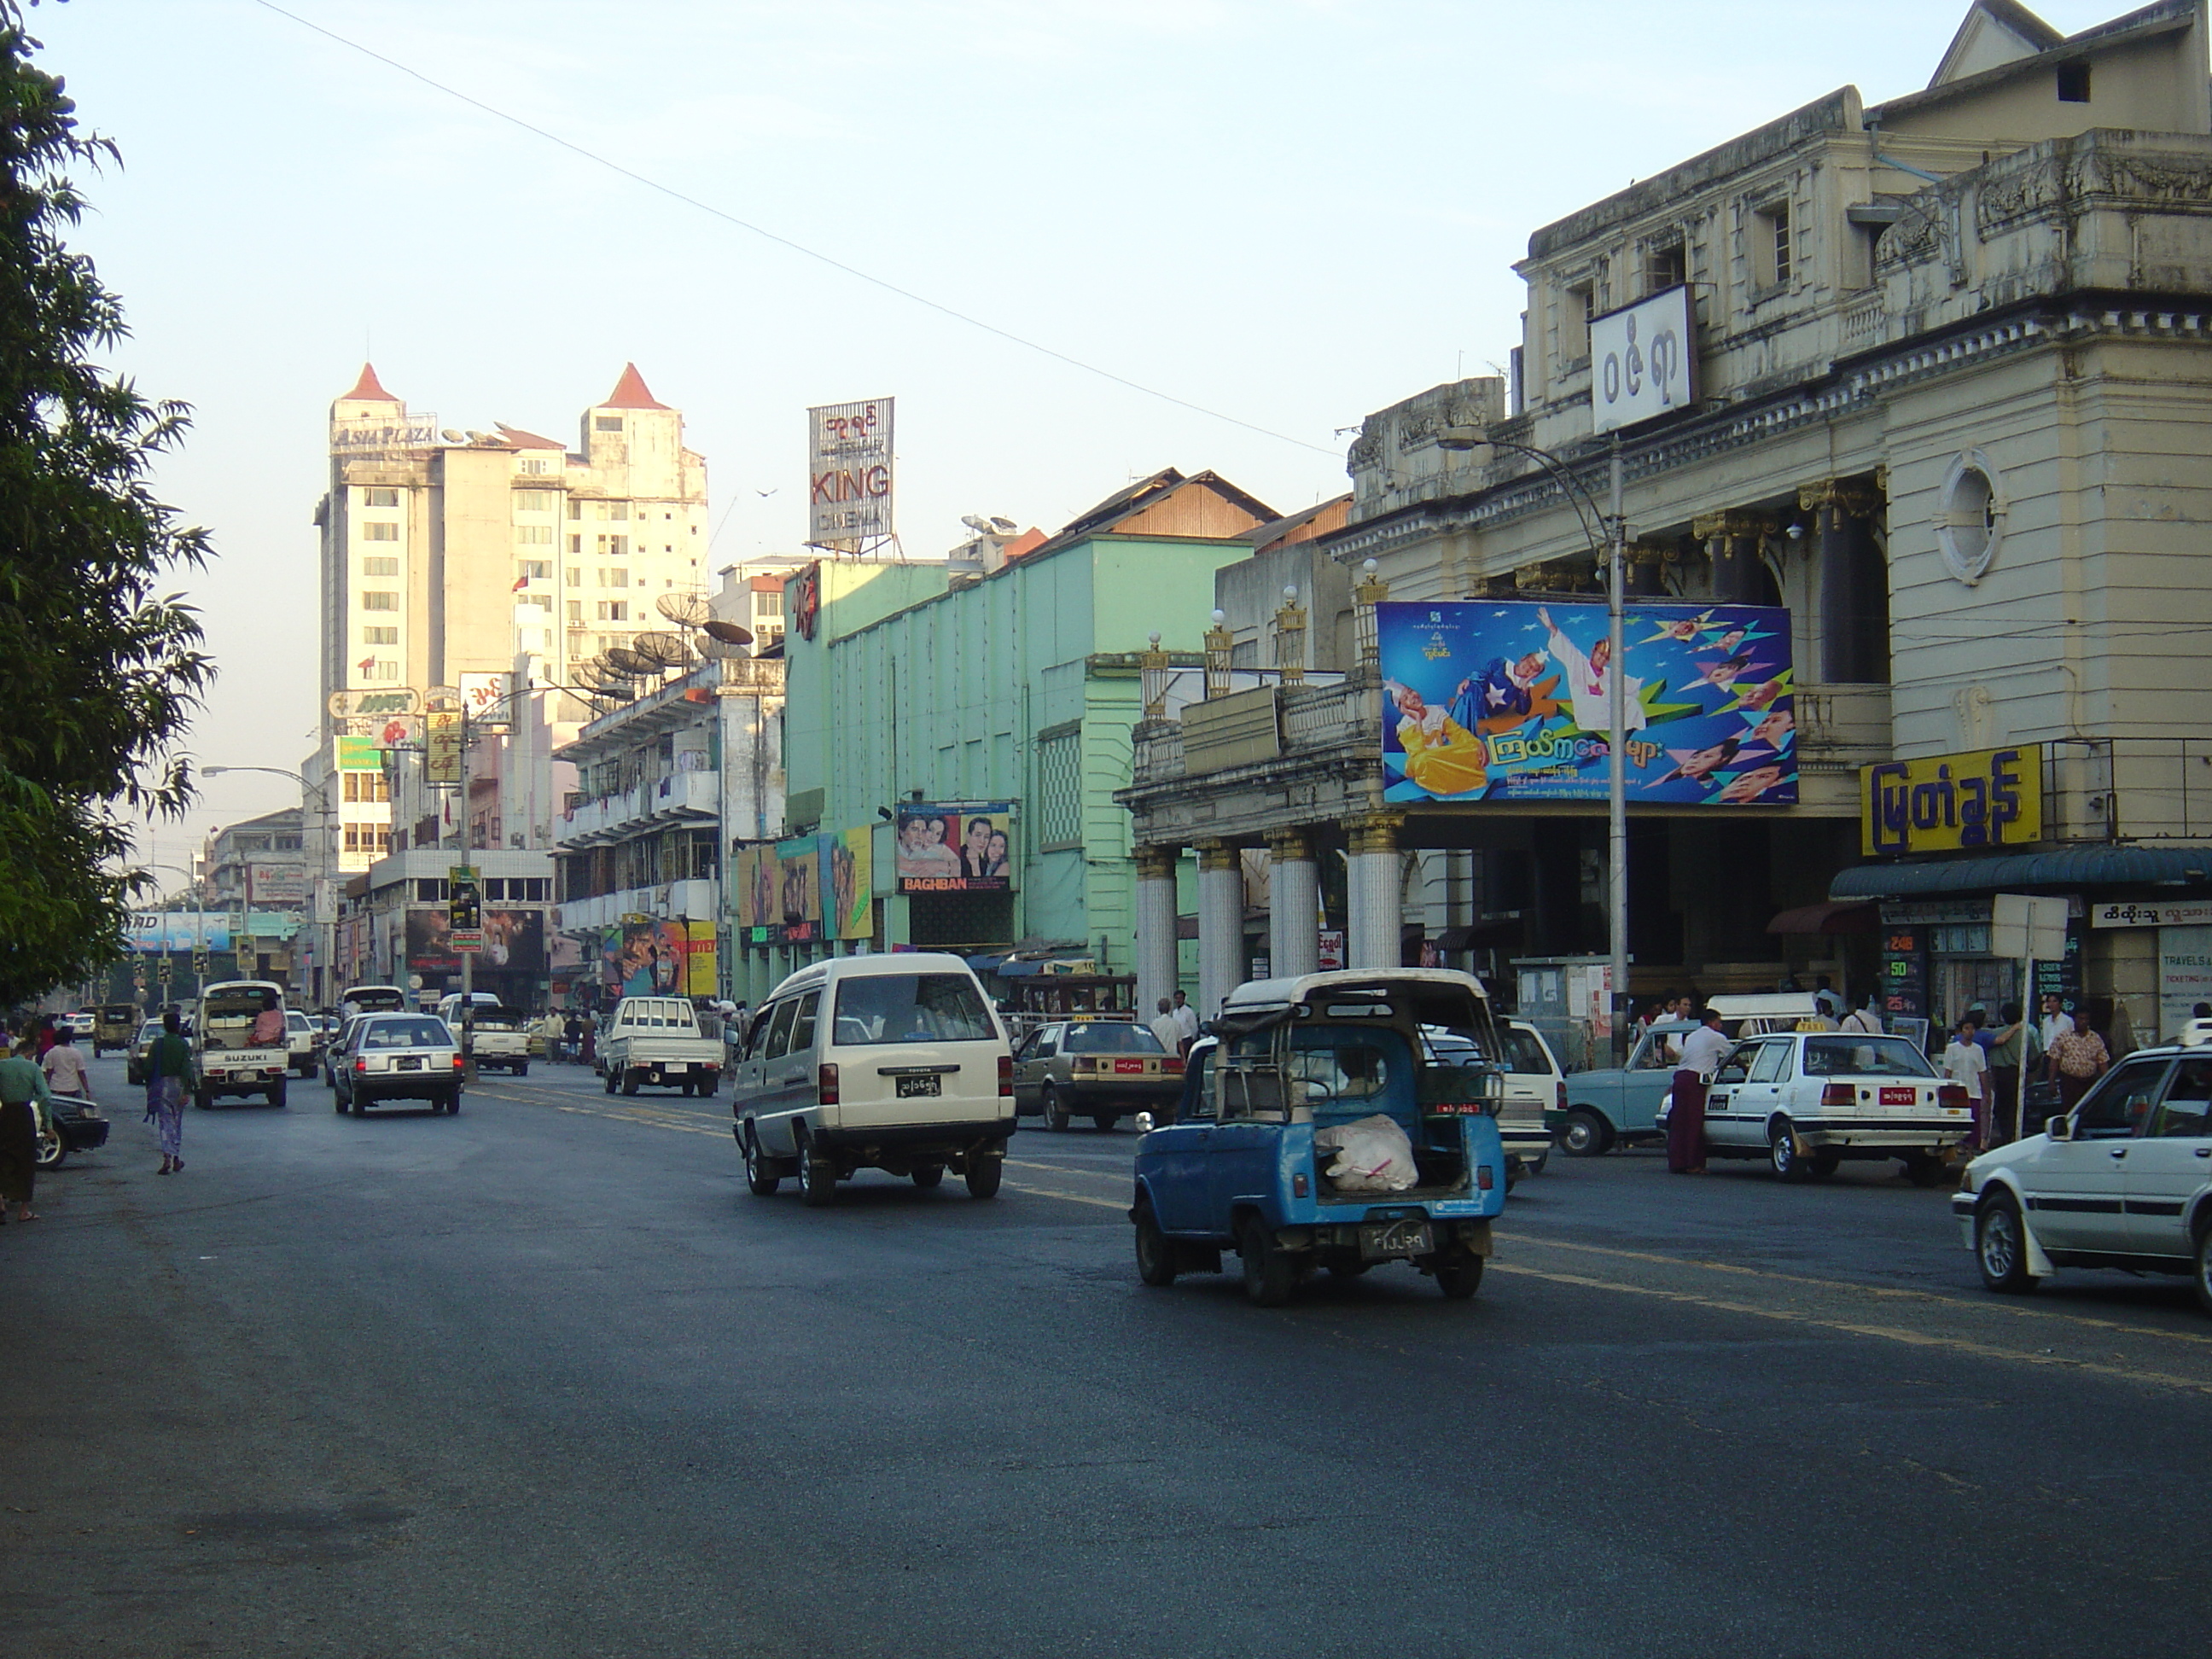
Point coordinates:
[[98, 674]]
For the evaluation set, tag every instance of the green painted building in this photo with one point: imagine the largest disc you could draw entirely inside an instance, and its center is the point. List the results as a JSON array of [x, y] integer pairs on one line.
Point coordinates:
[[1015, 685]]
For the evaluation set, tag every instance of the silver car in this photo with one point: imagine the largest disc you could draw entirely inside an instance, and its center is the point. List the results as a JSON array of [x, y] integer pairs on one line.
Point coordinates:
[[396, 1057]]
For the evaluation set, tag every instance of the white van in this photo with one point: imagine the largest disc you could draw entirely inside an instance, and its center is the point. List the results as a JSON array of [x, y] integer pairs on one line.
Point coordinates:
[[889, 1062]]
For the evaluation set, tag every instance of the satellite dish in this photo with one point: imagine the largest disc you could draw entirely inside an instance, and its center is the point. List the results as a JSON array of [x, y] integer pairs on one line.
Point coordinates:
[[998, 523], [453, 437], [627, 661], [599, 675], [976, 522], [667, 649], [684, 610], [729, 633], [715, 650]]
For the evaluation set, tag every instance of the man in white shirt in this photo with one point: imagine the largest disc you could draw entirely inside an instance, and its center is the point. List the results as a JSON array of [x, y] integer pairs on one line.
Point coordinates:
[[1828, 999], [1169, 1030], [1864, 1018], [1703, 1051], [2056, 1023], [1186, 1018], [1966, 1064]]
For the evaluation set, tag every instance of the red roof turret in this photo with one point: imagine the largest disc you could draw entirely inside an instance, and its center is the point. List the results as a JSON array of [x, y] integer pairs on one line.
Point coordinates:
[[368, 389], [629, 393]]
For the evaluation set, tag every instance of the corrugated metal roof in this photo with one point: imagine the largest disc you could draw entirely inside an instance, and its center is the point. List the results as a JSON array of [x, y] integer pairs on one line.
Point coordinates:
[[2073, 867]]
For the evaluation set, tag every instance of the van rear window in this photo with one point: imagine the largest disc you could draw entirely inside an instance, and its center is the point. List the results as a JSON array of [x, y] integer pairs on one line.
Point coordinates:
[[876, 1008], [1111, 1037]]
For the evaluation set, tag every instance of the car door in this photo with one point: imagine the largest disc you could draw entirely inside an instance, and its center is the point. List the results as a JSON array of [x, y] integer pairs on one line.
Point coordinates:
[[1722, 1126], [2171, 1163], [1029, 1071], [2077, 1200], [1649, 1075], [1764, 1089], [775, 1100], [1180, 1151]]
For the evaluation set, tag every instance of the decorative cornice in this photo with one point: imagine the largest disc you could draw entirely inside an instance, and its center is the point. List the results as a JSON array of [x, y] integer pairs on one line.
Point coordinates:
[[1731, 524]]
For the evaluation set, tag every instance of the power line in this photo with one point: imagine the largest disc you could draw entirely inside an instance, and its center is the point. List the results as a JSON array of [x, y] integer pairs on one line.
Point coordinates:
[[800, 248]]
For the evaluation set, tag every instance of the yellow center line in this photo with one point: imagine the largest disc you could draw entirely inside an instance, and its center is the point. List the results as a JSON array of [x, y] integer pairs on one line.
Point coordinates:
[[1884, 1332]]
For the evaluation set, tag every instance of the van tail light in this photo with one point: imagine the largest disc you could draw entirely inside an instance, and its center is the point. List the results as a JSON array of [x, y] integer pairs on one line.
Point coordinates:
[[825, 1084], [1836, 1094], [1006, 1076], [1484, 1181], [1952, 1094]]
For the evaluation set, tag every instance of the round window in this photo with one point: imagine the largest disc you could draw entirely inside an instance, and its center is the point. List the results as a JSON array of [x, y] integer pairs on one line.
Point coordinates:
[[1970, 516]]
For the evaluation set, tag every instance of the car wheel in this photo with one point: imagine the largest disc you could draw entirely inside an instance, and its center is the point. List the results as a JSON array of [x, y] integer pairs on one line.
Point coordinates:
[[52, 1150], [338, 1101], [927, 1176], [1537, 1167], [758, 1180], [359, 1106], [610, 1076], [1826, 1164], [1587, 1134], [204, 1100], [1925, 1170], [453, 1103], [1156, 1251], [1459, 1274], [1056, 1115], [2203, 1278], [276, 1095], [985, 1171], [1782, 1152], [2000, 1248], [817, 1177], [1268, 1273], [631, 1079], [1101, 1121]]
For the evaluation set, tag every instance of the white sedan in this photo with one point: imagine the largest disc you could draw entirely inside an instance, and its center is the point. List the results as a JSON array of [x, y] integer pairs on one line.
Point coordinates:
[[1805, 1101], [2123, 1181]]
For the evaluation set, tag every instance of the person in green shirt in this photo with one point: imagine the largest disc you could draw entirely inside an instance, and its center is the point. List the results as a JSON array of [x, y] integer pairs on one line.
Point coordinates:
[[24, 1098], [168, 1075]]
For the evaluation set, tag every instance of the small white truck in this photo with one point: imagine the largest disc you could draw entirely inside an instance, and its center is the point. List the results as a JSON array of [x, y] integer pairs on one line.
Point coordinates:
[[227, 1059], [657, 1040], [497, 1037]]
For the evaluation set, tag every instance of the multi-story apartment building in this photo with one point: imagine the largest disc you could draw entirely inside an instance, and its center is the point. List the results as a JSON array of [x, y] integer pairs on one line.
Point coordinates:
[[1948, 399]]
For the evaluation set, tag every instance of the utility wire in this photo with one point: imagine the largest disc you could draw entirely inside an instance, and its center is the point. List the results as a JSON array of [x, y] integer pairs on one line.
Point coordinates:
[[796, 247]]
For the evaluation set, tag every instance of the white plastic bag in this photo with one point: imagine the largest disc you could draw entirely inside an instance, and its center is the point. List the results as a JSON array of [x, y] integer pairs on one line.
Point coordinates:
[[1373, 1155]]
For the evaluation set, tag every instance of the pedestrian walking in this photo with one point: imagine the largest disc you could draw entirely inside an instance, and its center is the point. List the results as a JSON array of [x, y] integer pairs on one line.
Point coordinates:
[[1169, 1030], [65, 1067], [24, 1100], [1866, 1018], [1703, 1052], [1185, 1020], [1964, 1064], [43, 1035], [2078, 1059], [2008, 1057], [168, 1070], [2056, 1022], [587, 1041]]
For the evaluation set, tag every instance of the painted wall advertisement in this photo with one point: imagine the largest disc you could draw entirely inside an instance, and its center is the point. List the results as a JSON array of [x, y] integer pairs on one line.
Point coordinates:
[[513, 941], [1952, 803], [812, 887], [955, 846], [1508, 700], [644, 956], [849, 473]]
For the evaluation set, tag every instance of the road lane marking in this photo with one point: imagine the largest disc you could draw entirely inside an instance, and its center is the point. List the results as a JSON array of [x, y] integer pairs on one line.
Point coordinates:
[[1884, 1332], [1071, 1198]]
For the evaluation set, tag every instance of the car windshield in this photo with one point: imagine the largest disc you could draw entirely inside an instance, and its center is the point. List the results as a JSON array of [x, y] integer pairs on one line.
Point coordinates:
[[911, 1008], [298, 1022], [1111, 1037], [149, 1031], [406, 1034], [1866, 1056]]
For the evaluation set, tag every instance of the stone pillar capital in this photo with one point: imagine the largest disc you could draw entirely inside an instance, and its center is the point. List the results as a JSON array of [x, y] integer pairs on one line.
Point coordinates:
[[1158, 863], [1853, 496], [1216, 855], [1713, 526], [1290, 845], [1375, 832]]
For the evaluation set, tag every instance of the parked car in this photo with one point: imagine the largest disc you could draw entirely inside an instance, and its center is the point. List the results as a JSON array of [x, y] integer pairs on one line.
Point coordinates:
[[1294, 1067], [1807, 1101], [2123, 1181], [1617, 1106], [134, 1064], [72, 1125], [889, 1062], [1102, 1069], [657, 1040], [1534, 1088], [396, 1057]]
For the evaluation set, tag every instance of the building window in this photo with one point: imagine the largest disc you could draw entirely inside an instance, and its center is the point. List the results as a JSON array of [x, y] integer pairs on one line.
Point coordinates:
[[767, 605], [1770, 250], [543, 601], [615, 577], [384, 671], [537, 570], [575, 612], [2073, 83], [429, 890], [607, 423], [379, 532], [377, 496], [380, 636], [365, 786], [534, 466], [576, 576], [614, 546], [1666, 266], [534, 535], [614, 609], [1575, 305], [617, 511], [380, 602], [537, 500], [379, 566], [1060, 789]]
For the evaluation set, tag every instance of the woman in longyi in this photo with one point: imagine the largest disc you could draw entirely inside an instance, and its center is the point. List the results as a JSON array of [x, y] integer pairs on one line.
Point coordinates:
[[1442, 755]]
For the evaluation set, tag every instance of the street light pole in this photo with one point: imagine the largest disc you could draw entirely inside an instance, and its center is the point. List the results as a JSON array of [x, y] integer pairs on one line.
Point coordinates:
[[1617, 763], [326, 944]]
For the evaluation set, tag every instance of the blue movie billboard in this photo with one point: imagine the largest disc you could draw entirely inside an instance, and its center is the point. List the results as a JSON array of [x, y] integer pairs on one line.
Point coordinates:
[[1507, 700]]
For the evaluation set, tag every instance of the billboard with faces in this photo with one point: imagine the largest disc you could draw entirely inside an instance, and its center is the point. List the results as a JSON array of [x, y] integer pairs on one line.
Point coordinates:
[[955, 846], [1489, 699]]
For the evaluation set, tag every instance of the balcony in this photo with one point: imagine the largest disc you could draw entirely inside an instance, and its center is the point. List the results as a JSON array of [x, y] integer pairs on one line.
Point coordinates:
[[663, 801], [697, 900]]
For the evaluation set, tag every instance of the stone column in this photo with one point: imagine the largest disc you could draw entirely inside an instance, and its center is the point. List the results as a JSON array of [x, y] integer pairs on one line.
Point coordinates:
[[1293, 904], [1854, 589], [1220, 924], [1647, 570], [1371, 935], [1157, 967], [1732, 541]]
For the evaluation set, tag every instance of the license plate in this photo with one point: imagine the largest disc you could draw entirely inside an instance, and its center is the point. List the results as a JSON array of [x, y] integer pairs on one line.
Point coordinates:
[[1128, 1068], [1380, 1239], [1899, 1096], [411, 1062], [911, 1087]]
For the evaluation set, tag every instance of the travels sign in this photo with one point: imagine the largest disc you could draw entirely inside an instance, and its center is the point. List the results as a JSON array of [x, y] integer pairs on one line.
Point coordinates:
[[1983, 797]]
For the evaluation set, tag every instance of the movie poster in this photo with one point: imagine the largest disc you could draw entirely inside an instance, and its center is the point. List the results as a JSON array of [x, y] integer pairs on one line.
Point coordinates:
[[1507, 700], [799, 865], [641, 958], [850, 858], [955, 848]]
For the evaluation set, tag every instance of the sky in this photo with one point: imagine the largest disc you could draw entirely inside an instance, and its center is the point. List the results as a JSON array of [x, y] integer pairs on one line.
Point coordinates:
[[1289, 213]]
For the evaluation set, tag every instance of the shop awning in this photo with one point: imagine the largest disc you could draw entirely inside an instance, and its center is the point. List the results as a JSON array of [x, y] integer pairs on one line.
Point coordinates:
[[1837, 916], [2073, 867]]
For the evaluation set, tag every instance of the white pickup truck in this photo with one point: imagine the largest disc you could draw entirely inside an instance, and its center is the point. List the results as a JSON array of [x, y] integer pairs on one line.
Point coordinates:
[[227, 1061], [496, 1036], [657, 1040]]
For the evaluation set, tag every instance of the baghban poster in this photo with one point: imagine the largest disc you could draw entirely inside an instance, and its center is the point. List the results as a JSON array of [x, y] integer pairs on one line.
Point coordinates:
[[1508, 700], [955, 848]]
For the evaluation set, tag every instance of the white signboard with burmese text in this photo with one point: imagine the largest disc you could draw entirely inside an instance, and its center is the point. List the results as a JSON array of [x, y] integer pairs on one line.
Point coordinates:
[[1643, 360]]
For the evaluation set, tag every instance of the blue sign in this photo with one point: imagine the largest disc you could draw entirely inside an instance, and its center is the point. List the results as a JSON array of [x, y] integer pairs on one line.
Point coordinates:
[[1494, 700]]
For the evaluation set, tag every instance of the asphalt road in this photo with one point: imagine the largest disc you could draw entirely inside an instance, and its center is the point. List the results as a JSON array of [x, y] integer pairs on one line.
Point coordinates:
[[544, 1379]]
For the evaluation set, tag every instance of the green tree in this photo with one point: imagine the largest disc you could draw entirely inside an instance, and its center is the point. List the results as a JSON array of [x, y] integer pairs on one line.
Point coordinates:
[[98, 673]]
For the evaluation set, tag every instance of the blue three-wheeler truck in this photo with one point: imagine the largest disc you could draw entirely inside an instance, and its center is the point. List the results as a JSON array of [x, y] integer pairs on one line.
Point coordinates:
[[1290, 1085]]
